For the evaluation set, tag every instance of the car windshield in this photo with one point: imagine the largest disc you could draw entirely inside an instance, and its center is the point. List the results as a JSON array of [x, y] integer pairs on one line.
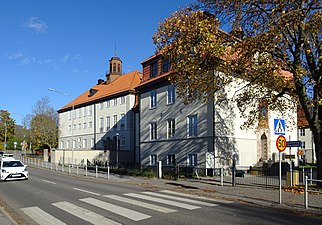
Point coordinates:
[[12, 164]]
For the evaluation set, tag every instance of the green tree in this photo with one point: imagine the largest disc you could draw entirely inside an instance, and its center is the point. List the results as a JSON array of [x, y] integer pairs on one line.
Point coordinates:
[[278, 49], [7, 128]]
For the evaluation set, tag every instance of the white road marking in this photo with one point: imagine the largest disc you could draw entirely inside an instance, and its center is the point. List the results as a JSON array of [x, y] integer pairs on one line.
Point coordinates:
[[41, 217], [180, 199], [128, 213], [89, 192], [47, 181], [198, 197], [141, 204], [163, 201], [85, 214]]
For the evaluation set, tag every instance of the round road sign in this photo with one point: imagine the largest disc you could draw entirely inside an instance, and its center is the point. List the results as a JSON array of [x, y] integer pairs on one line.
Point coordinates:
[[281, 143]]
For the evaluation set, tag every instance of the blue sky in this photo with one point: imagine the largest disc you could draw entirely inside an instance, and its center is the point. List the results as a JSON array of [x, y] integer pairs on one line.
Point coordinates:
[[66, 45]]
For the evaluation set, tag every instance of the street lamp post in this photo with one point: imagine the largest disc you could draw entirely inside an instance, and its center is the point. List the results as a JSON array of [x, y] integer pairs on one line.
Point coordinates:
[[5, 137], [72, 126], [117, 150]]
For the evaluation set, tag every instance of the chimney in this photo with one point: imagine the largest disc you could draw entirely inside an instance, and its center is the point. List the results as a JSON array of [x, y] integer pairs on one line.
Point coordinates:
[[100, 81]]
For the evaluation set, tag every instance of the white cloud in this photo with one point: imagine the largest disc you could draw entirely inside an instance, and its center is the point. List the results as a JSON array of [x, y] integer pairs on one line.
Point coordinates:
[[36, 24], [68, 58], [22, 58]]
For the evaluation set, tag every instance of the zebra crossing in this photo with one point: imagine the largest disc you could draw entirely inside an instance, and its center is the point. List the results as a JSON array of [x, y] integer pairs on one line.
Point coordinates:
[[170, 202]]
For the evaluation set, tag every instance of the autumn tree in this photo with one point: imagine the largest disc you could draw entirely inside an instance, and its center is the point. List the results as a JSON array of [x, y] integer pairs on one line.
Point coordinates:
[[277, 48], [7, 127], [43, 124]]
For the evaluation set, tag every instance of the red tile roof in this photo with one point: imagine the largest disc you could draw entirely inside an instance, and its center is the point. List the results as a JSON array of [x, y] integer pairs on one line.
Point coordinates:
[[125, 83]]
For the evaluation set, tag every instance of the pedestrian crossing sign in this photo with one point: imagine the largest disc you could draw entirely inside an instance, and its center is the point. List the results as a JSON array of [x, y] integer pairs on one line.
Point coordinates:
[[279, 126]]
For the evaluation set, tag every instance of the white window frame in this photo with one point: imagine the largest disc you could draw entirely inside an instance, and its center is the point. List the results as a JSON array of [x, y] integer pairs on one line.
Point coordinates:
[[171, 94], [153, 99], [171, 128], [153, 131], [108, 123], [115, 122], [192, 126], [192, 159], [153, 159], [122, 100]]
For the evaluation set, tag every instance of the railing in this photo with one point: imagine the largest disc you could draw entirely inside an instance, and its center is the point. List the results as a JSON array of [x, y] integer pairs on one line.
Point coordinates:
[[96, 171], [307, 190]]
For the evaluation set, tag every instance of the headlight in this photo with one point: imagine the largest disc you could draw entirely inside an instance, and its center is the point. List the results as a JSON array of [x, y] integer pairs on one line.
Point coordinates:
[[25, 170], [3, 171]]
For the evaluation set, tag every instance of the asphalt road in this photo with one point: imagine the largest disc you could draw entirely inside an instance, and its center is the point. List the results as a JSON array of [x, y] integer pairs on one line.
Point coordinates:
[[50, 197]]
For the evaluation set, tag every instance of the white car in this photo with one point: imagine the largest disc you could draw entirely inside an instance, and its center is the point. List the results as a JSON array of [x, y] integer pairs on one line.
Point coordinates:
[[13, 169]]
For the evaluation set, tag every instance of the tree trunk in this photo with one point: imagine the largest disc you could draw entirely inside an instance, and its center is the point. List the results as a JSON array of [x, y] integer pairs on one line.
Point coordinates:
[[318, 153]]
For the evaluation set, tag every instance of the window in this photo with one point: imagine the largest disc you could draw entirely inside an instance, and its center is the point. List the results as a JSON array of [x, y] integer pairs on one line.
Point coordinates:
[[192, 160], [171, 128], [303, 144], [69, 127], [165, 65], [74, 126], [84, 143], [171, 94], [108, 123], [84, 125], [122, 100], [90, 110], [122, 121], [192, 126], [79, 126], [153, 99], [101, 124], [153, 159], [114, 67], [74, 143], [61, 145], [90, 124], [92, 143], [153, 131], [79, 113], [67, 145], [101, 105], [171, 159], [123, 141], [302, 132], [154, 69], [115, 101], [115, 121], [85, 111], [69, 115], [108, 104]]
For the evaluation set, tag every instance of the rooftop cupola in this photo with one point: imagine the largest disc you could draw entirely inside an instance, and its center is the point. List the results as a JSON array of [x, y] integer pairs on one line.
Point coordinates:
[[115, 69]]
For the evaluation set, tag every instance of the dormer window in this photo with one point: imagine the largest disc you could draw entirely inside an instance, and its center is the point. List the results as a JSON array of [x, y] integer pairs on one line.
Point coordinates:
[[154, 69], [165, 65], [92, 92]]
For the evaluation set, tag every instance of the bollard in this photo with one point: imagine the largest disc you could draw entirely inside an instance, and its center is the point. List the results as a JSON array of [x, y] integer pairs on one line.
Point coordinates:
[[86, 170], [159, 169], [306, 200], [222, 176], [96, 169], [108, 172], [77, 170]]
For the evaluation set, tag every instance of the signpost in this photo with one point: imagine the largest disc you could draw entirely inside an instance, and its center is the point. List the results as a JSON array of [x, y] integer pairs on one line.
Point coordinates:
[[293, 144], [281, 146]]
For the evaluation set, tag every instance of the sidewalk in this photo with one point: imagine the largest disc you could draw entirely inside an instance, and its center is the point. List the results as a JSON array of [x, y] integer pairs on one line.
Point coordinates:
[[244, 194]]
